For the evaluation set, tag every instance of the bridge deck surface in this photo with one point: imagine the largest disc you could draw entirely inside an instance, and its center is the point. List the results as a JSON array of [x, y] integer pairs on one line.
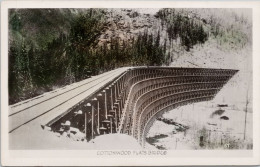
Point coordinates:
[[52, 104]]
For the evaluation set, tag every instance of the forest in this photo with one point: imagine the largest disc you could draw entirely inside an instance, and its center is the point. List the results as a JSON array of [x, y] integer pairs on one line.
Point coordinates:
[[50, 48], [190, 31]]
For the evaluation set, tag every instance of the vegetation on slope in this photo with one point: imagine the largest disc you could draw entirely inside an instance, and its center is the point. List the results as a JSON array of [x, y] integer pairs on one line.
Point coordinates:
[[190, 31], [55, 51], [195, 26], [45, 48]]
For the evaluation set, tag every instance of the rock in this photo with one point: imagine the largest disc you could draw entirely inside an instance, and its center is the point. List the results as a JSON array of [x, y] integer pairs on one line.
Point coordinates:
[[224, 118]]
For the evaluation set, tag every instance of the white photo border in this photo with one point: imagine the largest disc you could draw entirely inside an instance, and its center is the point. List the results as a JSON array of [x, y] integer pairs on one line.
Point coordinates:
[[91, 158]]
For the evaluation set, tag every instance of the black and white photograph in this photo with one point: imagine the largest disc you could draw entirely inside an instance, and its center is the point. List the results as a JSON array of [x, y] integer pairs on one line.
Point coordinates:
[[130, 81]]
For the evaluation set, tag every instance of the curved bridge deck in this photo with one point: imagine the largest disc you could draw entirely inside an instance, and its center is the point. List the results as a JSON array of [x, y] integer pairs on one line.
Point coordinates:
[[125, 100]]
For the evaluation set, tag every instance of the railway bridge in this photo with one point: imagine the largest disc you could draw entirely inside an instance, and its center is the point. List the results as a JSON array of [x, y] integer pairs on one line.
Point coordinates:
[[126, 100]]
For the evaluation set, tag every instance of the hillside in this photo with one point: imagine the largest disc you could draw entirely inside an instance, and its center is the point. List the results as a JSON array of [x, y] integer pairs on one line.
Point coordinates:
[[49, 48]]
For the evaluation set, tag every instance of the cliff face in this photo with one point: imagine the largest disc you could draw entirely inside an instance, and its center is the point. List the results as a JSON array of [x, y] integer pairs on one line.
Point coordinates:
[[125, 24]]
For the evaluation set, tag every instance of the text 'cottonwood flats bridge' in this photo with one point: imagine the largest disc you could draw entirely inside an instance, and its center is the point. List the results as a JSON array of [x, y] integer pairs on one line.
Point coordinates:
[[126, 100]]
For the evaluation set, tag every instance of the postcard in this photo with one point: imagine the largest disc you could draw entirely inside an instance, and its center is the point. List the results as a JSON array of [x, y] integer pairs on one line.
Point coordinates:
[[130, 83]]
